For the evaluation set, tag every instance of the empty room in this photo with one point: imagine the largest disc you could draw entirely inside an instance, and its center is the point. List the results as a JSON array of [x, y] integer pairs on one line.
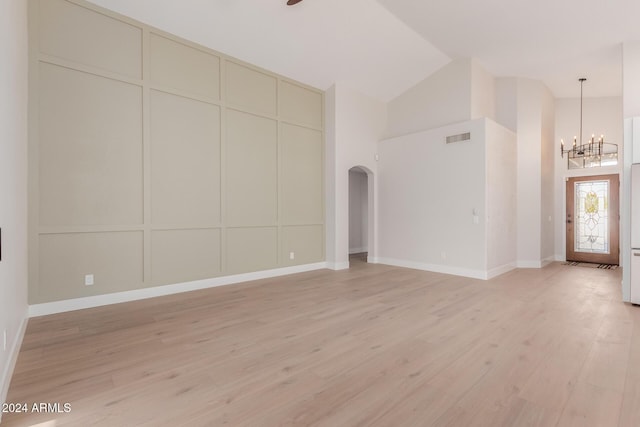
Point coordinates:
[[319, 213]]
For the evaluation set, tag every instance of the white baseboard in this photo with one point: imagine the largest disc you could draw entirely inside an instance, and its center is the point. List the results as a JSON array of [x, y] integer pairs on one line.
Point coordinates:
[[539, 263], [338, 265], [446, 269], [157, 291], [497, 271], [357, 250], [373, 260], [561, 258], [529, 264], [7, 373]]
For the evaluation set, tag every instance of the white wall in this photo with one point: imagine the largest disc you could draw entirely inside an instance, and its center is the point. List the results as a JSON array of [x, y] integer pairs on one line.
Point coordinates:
[[441, 99], [600, 116], [529, 120], [427, 193], [355, 123], [630, 109], [501, 198], [506, 102], [527, 107], [331, 210], [461, 90], [630, 79], [358, 209], [483, 92], [13, 182], [547, 175]]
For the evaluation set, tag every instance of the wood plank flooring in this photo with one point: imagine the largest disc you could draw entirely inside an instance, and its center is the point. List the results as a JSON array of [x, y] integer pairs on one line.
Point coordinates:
[[372, 346]]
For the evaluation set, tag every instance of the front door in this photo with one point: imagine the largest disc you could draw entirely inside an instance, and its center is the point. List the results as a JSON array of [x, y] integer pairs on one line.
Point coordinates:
[[593, 219]]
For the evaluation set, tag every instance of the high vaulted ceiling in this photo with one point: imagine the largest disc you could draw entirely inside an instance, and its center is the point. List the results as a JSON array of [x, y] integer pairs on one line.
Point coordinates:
[[318, 42], [384, 47], [556, 41]]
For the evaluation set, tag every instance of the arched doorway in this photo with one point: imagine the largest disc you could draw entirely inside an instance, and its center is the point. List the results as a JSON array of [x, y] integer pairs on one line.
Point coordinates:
[[360, 214]]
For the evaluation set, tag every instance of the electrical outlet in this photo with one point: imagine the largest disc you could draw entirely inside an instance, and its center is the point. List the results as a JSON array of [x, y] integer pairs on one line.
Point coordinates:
[[88, 280], [292, 255], [443, 255]]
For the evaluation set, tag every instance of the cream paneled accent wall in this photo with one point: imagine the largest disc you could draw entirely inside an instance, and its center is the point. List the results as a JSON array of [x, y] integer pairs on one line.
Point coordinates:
[[156, 161]]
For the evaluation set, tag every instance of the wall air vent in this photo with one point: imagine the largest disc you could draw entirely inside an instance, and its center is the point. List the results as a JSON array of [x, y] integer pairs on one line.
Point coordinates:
[[459, 137]]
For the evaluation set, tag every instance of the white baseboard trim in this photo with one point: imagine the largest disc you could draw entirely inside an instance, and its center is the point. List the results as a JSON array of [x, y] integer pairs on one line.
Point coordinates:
[[338, 265], [457, 271], [7, 373], [357, 250], [529, 264], [548, 260], [373, 260], [560, 258], [157, 291], [497, 271]]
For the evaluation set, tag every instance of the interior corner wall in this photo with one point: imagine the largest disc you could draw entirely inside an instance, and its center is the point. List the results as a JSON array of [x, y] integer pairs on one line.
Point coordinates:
[[330, 156], [442, 98], [13, 184], [506, 102], [501, 201], [529, 108], [429, 192], [156, 161], [358, 124], [547, 174], [483, 92]]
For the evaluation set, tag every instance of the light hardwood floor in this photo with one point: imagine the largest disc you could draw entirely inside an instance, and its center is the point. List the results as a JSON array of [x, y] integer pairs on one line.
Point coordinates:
[[372, 346]]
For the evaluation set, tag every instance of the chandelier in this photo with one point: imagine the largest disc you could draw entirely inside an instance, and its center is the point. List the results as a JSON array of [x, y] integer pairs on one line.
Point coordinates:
[[592, 153]]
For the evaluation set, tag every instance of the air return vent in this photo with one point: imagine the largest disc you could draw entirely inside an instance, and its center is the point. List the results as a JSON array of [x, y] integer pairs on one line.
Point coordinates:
[[459, 137]]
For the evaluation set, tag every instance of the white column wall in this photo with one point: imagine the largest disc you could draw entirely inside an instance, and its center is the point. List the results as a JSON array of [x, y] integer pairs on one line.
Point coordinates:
[[483, 92], [501, 198], [506, 103], [547, 177], [529, 107]]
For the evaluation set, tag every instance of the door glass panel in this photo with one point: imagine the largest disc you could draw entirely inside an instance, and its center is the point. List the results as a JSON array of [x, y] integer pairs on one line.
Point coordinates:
[[592, 217]]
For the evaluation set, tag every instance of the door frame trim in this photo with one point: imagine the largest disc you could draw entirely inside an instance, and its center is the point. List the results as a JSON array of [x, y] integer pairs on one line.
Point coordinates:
[[614, 200]]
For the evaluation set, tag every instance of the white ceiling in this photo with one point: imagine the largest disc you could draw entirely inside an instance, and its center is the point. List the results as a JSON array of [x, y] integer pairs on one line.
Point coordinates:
[[556, 41], [317, 42], [366, 45]]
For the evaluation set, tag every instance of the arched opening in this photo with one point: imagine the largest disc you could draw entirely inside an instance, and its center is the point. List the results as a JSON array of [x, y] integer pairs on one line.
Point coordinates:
[[361, 237]]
